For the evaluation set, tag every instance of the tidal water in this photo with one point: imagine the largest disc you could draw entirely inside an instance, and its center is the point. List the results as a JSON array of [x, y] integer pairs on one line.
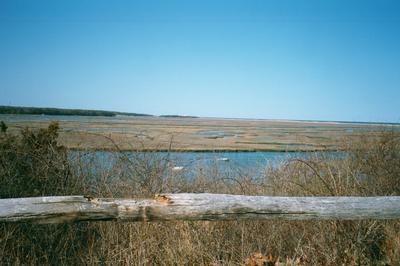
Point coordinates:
[[190, 163]]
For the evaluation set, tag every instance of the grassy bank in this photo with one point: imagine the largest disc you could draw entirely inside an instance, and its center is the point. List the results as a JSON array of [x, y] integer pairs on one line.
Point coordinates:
[[196, 134], [113, 149], [32, 163]]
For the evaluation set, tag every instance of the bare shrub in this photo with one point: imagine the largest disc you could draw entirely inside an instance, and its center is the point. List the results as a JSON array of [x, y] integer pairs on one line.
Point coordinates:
[[369, 167], [33, 164]]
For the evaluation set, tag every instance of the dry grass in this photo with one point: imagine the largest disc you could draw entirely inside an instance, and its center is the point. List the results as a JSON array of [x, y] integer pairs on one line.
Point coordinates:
[[197, 134], [371, 168]]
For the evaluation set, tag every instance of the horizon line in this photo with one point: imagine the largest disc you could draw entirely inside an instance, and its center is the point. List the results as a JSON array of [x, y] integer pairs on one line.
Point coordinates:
[[194, 116]]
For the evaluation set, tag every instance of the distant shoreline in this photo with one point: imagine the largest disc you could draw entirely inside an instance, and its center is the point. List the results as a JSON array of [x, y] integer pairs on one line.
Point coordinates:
[[23, 110], [18, 110]]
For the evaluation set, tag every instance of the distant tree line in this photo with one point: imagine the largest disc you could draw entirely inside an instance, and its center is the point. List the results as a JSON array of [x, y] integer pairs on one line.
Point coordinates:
[[60, 111], [179, 116]]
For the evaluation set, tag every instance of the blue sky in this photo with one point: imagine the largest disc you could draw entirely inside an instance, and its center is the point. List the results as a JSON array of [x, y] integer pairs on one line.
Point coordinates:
[[299, 59]]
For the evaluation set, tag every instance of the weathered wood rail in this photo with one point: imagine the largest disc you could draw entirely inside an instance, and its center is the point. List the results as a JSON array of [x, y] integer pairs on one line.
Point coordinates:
[[202, 206]]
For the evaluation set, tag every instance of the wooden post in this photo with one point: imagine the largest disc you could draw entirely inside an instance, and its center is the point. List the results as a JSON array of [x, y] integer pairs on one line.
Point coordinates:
[[193, 207]]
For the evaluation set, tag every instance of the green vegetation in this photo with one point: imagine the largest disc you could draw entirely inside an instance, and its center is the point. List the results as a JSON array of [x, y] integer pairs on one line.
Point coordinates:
[[33, 163], [3, 127], [60, 111]]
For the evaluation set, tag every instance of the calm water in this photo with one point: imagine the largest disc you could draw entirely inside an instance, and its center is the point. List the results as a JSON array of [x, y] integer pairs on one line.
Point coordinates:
[[183, 162], [189, 163]]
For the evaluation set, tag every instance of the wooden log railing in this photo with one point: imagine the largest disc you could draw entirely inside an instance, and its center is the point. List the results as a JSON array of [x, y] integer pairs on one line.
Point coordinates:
[[186, 206]]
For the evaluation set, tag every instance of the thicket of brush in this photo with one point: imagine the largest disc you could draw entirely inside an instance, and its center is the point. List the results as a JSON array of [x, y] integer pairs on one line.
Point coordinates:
[[33, 164]]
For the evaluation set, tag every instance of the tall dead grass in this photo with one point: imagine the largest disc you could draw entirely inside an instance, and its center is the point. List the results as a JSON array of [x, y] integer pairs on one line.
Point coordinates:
[[33, 164]]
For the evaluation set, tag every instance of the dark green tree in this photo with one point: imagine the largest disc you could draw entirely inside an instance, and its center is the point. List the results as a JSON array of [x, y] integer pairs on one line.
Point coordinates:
[[3, 127]]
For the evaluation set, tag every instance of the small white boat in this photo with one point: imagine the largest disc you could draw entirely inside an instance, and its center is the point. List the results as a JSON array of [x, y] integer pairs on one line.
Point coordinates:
[[223, 159], [177, 168]]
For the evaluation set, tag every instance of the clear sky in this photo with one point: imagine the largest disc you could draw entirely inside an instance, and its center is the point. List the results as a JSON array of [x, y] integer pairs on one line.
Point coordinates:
[[299, 59]]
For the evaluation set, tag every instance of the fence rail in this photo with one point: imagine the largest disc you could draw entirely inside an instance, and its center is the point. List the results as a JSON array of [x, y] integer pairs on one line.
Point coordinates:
[[190, 206]]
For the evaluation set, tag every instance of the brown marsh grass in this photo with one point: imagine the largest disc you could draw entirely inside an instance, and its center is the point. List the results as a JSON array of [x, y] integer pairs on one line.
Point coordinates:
[[197, 134], [32, 164]]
